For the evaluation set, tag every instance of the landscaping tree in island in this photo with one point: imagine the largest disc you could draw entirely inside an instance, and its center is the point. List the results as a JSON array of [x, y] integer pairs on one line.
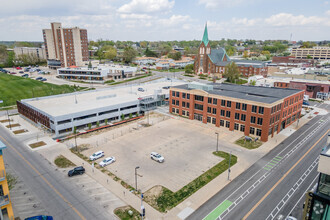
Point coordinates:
[[189, 68], [231, 72], [137, 114], [130, 115], [106, 121], [89, 126], [122, 117], [97, 124]]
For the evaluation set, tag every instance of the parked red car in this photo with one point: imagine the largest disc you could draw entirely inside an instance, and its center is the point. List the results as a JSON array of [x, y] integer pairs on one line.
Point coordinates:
[[12, 73], [18, 68]]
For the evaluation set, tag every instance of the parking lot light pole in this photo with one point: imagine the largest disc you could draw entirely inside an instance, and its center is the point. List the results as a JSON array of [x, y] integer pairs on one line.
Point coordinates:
[[217, 141], [136, 178]]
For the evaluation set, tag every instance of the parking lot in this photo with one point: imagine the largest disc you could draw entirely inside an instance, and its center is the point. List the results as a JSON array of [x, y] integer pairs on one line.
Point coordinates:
[[186, 146]]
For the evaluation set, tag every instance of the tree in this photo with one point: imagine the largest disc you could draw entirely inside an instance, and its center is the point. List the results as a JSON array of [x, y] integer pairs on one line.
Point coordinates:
[[175, 56], [130, 115], [309, 57], [245, 54], [89, 126], [253, 82], [136, 114], [129, 54], [3, 54], [11, 58], [150, 53], [109, 52], [231, 72], [97, 124], [100, 55], [189, 68], [143, 44], [122, 117]]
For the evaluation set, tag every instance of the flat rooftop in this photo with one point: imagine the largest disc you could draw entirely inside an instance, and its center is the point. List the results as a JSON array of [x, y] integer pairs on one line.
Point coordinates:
[[60, 105], [252, 93]]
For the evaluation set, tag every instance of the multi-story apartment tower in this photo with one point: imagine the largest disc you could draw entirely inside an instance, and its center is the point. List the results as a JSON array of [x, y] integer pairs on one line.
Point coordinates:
[[316, 53], [65, 46], [5, 203]]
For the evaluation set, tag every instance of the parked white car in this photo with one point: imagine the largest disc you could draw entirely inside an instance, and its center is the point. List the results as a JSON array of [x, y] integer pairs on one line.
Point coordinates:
[[157, 157], [107, 161], [96, 155]]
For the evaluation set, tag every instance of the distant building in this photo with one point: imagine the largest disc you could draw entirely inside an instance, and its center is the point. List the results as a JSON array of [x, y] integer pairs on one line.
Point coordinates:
[[214, 61], [65, 46], [178, 49], [255, 111], [312, 89], [37, 52], [5, 202], [291, 61], [317, 203], [145, 60], [317, 53]]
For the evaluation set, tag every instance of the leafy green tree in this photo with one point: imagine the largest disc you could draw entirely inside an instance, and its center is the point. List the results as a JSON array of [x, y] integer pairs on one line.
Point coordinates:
[[129, 54], [253, 82], [11, 58], [175, 56], [245, 54], [106, 121], [130, 115], [109, 52], [150, 53], [89, 126], [143, 44], [309, 57], [3, 54], [122, 117], [231, 72], [97, 124], [75, 130], [136, 114], [189, 68]]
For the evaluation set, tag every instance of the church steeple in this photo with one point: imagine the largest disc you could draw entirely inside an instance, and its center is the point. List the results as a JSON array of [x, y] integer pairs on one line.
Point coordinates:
[[205, 39]]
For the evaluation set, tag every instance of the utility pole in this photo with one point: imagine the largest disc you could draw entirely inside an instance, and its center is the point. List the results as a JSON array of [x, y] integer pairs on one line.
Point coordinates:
[[229, 166], [217, 141], [136, 178]]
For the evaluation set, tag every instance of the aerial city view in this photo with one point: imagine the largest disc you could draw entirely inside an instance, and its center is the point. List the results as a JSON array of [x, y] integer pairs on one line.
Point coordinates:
[[165, 110]]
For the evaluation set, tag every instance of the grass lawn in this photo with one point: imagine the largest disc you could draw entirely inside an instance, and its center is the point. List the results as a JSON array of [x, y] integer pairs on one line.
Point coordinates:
[[63, 162], [14, 88], [38, 144], [248, 144], [128, 80], [122, 213], [169, 199]]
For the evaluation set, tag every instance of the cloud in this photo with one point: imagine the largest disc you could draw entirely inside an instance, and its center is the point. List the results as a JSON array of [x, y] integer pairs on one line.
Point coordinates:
[[147, 6], [285, 19], [212, 4], [174, 20]]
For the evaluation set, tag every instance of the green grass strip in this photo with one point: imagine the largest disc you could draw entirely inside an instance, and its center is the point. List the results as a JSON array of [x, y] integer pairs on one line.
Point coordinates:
[[218, 210]]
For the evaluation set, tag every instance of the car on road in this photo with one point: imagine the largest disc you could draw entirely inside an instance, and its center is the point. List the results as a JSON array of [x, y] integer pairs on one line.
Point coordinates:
[[107, 161], [21, 72], [43, 79], [39, 78], [157, 157], [76, 171], [166, 87], [25, 75], [13, 73], [141, 89], [96, 155]]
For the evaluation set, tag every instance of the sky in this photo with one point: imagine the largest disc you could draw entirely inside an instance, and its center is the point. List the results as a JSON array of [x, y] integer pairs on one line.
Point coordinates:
[[154, 20]]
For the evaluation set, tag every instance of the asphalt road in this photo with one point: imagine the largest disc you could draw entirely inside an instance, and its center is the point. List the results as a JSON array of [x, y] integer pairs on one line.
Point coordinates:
[[271, 188], [61, 199]]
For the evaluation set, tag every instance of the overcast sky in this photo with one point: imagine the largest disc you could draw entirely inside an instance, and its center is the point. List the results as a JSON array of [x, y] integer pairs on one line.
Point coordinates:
[[137, 20]]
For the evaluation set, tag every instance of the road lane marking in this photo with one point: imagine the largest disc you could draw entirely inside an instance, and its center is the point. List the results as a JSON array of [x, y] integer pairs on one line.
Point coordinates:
[[218, 210], [285, 175], [44, 179]]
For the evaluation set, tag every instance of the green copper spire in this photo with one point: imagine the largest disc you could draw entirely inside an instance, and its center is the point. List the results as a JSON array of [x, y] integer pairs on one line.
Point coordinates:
[[205, 36]]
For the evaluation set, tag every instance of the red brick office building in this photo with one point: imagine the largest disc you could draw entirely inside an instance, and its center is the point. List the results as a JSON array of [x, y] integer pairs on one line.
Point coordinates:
[[254, 111]]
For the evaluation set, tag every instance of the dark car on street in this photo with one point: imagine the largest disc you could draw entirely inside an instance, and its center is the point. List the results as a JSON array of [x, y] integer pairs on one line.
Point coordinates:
[[76, 171]]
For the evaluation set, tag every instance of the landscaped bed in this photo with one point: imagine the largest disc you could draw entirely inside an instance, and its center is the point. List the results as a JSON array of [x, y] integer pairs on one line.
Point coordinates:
[[63, 162], [249, 144], [37, 144], [13, 125], [20, 131], [123, 213], [5, 121]]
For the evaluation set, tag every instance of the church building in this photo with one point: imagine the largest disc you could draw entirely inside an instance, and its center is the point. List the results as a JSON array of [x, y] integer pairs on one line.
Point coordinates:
[[214, 61]]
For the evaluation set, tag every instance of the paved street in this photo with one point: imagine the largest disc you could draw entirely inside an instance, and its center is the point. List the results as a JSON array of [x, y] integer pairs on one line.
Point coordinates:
[[62, 198], [276, 181]]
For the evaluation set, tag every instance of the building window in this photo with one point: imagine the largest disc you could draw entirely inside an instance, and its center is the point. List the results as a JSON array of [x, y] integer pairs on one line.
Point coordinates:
[[208, 119], [183, 95], [215, 101], [214, 120], [254, 108], [173, 102], [184, 104], [214, 111], [188, 105], [222, 112], [237, 116], [177, 111], [173, 110], [261, 110], [208, 109], [209, 100], [223, 102], [236, 126], [199, 107], [259, 122], [177, 102], [270, 131], [242, 128], [222, 123], [253, 119], [173, 93], [228, 114], [183, 112], [275, 128], [188, 96], [252, 130], [244, 106], [227, 124], [187, 113], [243, 117], [199, 98], [238, 105], [228, 104], [258, 133]]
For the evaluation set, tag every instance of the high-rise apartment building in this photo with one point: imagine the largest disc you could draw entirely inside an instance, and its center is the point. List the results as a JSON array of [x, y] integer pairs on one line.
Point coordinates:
[[5, 203], [65, 46]]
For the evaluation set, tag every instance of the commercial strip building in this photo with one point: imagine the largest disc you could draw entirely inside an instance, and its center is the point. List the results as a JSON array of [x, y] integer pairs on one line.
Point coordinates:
[[317, 203], [39, 53], [317, 53], [98, 74], [5, 202], [164, 63], [214, 61], [65, 46], [255, 111], [292, 61], [59, 114]]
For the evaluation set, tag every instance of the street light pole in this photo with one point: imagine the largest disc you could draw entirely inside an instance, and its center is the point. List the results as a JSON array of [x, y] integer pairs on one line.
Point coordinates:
[[229, 165], [217, 141], [136, 178]]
